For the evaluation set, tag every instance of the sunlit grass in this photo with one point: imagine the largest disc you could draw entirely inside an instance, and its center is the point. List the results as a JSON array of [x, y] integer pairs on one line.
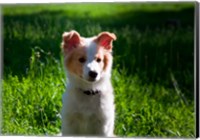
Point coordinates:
[[92, 9]]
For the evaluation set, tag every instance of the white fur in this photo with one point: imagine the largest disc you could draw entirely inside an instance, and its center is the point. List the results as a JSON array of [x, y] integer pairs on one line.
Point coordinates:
[[91, 64], [88, 114]]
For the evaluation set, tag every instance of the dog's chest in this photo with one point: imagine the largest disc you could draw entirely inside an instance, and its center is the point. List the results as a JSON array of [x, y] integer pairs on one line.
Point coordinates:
[[85, 112], [86, 104]]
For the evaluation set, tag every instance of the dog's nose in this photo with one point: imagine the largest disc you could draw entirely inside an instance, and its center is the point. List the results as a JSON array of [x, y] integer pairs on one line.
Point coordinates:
[[92, 74]]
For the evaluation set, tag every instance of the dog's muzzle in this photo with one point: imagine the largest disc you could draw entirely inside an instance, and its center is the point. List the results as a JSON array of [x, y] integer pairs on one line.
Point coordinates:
[[92, 75]]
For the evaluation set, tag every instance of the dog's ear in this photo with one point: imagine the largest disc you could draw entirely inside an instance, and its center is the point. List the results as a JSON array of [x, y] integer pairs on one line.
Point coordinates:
[[70, 40], [104, 39]]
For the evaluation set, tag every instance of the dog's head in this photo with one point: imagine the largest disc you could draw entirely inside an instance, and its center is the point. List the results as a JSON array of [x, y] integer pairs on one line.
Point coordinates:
[[88, 58]]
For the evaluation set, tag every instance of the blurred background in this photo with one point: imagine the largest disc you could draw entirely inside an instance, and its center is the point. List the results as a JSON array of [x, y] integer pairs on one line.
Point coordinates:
[[153, 70]]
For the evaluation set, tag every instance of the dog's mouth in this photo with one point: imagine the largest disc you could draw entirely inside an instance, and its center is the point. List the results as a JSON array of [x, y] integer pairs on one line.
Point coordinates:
[[92, 79], [88, 79]]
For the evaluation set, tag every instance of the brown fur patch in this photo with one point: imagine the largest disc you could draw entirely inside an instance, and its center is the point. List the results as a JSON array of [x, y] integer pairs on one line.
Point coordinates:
[[105, 57], [106, 61], [99, 55], [72, 61]]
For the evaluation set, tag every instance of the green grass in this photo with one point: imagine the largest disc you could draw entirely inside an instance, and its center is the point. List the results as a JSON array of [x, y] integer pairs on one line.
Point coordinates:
[[152, 72], [33, 105], [82, 9]]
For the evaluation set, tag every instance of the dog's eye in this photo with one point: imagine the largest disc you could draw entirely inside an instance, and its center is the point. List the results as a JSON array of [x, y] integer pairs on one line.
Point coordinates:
[[82, 59], [98, 60]]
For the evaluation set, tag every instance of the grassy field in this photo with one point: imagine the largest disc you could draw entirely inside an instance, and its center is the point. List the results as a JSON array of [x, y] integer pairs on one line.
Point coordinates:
[[153, 71]]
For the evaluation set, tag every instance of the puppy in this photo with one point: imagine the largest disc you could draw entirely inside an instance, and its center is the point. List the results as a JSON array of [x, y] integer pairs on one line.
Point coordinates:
[[88, 103]]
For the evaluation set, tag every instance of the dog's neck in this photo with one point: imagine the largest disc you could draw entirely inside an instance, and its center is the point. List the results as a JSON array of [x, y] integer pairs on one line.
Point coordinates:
[[90, 92]]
